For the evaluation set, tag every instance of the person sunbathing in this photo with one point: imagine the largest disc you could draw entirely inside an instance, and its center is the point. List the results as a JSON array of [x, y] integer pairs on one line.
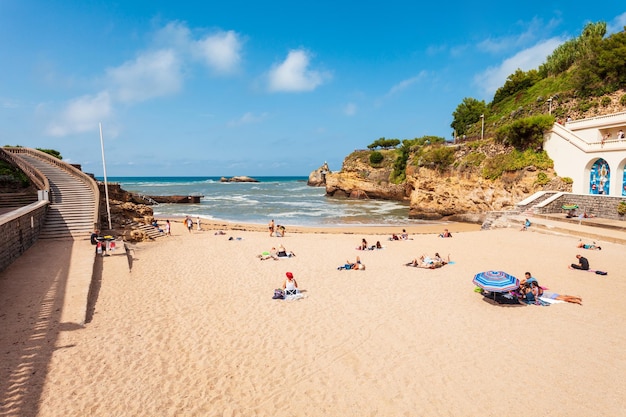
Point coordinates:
[[427, 262], [353, 265], [592, 246], [268, 255], [445, 233], [534, 291]]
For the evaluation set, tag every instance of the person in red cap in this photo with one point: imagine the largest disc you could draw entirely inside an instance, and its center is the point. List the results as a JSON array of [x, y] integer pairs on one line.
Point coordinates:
[[290, 285]]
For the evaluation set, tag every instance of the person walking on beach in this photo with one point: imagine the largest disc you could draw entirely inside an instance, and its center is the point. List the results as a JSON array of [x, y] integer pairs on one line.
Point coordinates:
[[168, 228], [271, 227], [189, 223], [198, 223]]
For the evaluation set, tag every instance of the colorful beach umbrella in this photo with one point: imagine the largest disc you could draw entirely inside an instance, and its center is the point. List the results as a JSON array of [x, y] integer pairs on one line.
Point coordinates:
[[496, 281]]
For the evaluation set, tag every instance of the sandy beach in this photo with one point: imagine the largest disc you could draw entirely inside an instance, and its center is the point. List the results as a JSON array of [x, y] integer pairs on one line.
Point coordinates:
[[192, 330]]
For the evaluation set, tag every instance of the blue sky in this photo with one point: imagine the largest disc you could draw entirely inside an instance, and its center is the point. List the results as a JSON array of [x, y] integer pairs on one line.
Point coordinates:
[[257, 88]]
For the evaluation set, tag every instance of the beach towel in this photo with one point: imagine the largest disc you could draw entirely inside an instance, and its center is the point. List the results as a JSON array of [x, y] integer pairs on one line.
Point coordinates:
[[550, 300]]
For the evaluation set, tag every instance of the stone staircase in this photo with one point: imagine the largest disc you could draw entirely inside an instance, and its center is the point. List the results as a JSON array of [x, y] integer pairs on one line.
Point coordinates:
[[72, 202], [147, 229]]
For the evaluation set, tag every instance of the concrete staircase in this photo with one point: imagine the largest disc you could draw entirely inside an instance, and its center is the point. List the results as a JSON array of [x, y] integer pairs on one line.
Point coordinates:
[[72, 202]]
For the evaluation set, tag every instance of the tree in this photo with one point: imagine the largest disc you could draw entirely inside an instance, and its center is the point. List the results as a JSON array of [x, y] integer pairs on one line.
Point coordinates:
[[517, 81], [467, 113], [384, 143]]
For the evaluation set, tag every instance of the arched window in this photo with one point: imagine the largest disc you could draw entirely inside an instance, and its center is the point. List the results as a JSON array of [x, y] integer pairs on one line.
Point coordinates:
[[600, 177]]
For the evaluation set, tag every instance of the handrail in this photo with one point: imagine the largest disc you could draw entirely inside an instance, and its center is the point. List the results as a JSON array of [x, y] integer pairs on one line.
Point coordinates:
[[70, 170], [583, 145], [36, 176], [591, 119]]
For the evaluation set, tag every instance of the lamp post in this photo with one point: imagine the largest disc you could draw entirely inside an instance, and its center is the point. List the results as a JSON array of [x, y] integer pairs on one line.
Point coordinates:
[[482, 126], [550, 105]]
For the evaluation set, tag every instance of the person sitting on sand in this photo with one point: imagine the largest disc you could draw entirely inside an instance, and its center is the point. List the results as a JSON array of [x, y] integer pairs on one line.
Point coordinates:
[[404, 235], [592, 246], [438, 261], [290, 285], [528, 278], [376, 246], [583, 263], [283, 253], [525, 226], [394, 237], [530, 293], [363, 245], [280, 231], [445, 233]]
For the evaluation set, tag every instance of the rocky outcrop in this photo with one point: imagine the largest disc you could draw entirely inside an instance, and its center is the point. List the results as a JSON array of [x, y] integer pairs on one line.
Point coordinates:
[[438, 195], [317, 178], [456, 192], [358, 179], [238, 179], [352, 185]]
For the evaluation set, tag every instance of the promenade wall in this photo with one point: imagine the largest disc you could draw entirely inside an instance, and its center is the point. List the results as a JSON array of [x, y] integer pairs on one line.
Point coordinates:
[[603, 206], [19, 230]]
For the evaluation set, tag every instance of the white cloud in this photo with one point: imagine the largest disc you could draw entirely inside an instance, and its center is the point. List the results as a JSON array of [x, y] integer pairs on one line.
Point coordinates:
[[494, 77], [248, 118], [350, 109], [617, 25], [533, 31], [82, 115], [404, 84], [152, 74], [173, 35], [221, 52], [293, 74]]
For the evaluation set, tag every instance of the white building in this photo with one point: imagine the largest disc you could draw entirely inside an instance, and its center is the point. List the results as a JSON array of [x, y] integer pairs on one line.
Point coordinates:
[[591, 153]]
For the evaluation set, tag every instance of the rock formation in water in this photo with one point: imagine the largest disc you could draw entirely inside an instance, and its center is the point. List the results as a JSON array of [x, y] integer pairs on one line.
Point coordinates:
[[317, 178], [238, 179]]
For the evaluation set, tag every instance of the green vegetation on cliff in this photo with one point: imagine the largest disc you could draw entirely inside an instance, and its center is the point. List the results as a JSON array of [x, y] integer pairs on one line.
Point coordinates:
[[506, 134]]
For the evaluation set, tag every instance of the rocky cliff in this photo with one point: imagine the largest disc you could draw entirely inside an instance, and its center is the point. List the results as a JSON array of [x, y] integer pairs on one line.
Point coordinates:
[[457, 191]]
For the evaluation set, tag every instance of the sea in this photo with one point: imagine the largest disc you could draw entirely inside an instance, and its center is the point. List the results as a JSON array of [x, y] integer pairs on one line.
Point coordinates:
[[287, 200]]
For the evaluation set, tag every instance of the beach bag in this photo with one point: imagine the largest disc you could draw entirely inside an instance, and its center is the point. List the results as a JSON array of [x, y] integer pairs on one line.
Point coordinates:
[[278, 294]]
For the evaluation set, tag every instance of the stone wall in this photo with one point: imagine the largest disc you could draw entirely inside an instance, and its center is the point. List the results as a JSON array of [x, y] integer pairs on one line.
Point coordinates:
[[19, 230], [599, 205]]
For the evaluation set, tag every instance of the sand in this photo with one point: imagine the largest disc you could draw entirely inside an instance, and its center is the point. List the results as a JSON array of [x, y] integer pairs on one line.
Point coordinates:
[[193, 330]]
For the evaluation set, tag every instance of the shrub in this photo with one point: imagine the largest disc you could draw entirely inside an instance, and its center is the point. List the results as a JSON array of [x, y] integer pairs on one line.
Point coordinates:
[[525, 133], [376, 158], [567, 180], [621, 208], [542, 178], [622, 100], [515, 160], [605, 101], [438, 157]]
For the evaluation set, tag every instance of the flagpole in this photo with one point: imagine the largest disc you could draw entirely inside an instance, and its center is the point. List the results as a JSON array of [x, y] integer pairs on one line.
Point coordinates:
[[104, 169]]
